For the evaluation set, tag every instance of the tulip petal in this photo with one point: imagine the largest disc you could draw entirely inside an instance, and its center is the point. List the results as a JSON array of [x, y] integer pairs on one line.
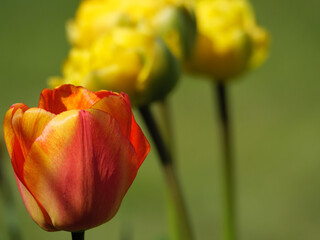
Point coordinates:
[[15, 152], [139, 142], [80, 168], [11, 123], [26, 126], [38, 214], [137, 138], [29, 125], [117, 107], [66, 97], [9, 135], [120, 109], [103, 93]]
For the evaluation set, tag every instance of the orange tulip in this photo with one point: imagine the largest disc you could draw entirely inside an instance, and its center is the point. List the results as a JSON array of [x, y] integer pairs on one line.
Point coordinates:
[[75, 156]]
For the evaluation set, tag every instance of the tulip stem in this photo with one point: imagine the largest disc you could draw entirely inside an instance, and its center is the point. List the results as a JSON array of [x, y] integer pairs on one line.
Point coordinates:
[[148, 118], [164, 110], [227, 164], [182, 223], [77, 235]]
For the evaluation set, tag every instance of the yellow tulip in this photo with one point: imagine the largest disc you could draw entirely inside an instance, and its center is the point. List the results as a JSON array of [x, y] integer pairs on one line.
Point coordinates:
[[171, 19], [127, 60], [229, 41], [94, 18]]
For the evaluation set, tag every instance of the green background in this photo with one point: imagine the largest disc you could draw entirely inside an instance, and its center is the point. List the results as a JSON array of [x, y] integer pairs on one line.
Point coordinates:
[[275, 118]]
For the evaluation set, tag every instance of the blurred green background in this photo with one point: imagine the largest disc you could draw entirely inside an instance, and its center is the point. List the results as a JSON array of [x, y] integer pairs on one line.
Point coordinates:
[[276, 123]]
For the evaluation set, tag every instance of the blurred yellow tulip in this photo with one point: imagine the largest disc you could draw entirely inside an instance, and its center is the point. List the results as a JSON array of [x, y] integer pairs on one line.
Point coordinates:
[[229, 41], [125, 60], [172, 19], [93, 19]]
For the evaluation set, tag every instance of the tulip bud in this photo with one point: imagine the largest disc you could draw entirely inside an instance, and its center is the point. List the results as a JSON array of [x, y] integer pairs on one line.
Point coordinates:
[[127, 60], [177, 26], [229, 42], [75, 156]]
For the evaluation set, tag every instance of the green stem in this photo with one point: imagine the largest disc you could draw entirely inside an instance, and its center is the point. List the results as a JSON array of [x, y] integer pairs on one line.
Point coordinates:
[[181, 225], [227, 164], [77, 235], [182, 221], [164, 110], [164, 154]]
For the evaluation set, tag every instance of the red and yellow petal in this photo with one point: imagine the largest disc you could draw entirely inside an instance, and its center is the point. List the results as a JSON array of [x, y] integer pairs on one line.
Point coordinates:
[[38, 214], [80, 168], [104, 93], [9, 134], [29, 125], [117, 107], [25, 126], [66, 97]]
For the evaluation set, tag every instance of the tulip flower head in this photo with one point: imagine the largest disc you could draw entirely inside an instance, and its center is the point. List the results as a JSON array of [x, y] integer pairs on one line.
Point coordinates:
[[229, 41], [74, 156], [171, 19], [95, 18], [177, 26], [127, 60]]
